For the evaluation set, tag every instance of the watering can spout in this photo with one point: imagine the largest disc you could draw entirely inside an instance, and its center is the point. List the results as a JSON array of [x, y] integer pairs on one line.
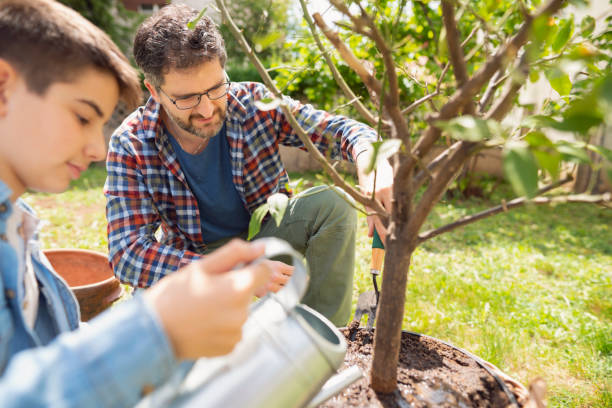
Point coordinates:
[[335, 385]]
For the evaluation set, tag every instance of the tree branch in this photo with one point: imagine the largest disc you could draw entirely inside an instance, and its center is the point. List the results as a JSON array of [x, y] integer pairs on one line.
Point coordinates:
[[505, 103], [471, 88], [392, 101], [517, 202], [375, 205], [348, 92], [410, 108], [347, 55], [486, 98], [455, 50], [433, 165], [439, 184]]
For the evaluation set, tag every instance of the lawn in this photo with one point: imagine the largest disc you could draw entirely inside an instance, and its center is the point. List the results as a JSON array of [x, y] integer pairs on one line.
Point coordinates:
[[529, 290]]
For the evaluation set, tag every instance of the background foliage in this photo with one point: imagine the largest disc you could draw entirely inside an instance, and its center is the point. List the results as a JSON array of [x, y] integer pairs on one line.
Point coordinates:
[[528, 290]]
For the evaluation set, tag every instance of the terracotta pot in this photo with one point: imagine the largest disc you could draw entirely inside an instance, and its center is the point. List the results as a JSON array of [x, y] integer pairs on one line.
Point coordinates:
[[89, 276]]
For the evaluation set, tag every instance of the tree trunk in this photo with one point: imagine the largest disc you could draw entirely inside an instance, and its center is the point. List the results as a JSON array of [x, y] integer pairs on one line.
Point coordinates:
[[387, 338]]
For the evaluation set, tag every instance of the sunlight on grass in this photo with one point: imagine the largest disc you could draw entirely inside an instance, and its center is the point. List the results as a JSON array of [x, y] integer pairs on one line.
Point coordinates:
[[529, 290]]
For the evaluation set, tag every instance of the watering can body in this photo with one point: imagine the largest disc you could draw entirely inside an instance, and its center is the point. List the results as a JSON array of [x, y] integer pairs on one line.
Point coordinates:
[[287, 353]]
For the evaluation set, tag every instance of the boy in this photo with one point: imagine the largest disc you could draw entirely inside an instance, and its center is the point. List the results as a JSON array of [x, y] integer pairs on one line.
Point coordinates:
[[60, 79]]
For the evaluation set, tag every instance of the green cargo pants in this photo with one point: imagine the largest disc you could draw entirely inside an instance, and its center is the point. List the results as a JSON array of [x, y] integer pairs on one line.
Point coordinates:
[[321, 224]]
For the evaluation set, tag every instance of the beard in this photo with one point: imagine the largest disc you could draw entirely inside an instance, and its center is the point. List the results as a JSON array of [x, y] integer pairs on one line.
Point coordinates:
[[204, 132]]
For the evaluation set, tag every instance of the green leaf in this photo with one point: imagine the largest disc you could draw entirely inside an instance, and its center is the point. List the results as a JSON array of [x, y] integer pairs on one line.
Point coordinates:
[[256, 219], [582, 114], [267, 104], [563, 35], [559, 81], [538, 139], [263, 42], [192, 24], [470, 128], [278, 205], [573, 152], [542, 29], [605, 91], [549, 160], [442, 45], [382, 151], [602, 151], [521, 169], [539, 121], [534, 75], [587, 25]]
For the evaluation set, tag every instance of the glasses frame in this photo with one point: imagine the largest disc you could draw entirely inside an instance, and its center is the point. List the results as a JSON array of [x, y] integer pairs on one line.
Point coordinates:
[[199, 96]]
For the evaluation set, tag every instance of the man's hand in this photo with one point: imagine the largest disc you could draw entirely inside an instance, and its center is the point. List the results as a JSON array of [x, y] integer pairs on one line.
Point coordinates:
[[281, 275], [203, 306], [383, 190]]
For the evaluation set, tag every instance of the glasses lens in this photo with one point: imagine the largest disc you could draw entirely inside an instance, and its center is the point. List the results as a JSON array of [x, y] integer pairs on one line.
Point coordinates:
[[187, 103], [219, 91]]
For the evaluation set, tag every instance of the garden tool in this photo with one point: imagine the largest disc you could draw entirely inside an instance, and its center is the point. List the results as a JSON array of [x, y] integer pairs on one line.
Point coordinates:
[[367, 302]]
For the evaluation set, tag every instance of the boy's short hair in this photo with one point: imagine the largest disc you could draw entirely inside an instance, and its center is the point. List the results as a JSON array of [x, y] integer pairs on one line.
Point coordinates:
[[163, 41], [48, 42]]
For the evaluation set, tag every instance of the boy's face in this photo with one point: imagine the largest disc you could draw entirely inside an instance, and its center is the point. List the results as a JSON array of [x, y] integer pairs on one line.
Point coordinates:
[[47, 141]]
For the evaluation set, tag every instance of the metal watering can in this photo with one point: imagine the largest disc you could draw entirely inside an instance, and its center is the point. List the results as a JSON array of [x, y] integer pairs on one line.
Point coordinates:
[[287, 353]]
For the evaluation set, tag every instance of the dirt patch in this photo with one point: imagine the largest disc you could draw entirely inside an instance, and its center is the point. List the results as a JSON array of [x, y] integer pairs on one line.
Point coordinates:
[[430, 374]]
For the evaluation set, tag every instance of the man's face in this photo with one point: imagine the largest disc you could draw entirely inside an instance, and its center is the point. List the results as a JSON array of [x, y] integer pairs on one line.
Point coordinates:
[[206, 119], [48, 140]]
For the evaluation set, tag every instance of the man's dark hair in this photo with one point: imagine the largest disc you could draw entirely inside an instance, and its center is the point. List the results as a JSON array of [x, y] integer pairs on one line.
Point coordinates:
[[164, 42], [48, 42]]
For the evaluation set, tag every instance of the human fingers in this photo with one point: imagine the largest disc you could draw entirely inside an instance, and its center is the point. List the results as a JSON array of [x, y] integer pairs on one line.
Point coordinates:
[[370, 222], [246, 280], [230, 255], [282, 268], [381, 229]]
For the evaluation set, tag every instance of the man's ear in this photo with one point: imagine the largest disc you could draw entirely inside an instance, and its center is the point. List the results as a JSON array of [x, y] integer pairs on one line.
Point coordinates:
[[8, 79], [152, 90]]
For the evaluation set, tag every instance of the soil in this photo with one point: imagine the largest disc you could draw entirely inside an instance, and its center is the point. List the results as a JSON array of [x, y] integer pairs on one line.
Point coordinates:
[[430, 374]]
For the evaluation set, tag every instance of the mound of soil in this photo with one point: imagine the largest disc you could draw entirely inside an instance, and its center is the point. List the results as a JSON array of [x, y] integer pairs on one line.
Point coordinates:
[[431, 373]]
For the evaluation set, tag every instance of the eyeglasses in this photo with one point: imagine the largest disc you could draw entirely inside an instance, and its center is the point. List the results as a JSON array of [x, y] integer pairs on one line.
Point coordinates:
[[190, 102]]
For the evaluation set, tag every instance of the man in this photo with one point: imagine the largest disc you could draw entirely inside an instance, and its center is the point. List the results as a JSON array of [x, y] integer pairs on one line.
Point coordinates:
[[200, 157], [60, 79]]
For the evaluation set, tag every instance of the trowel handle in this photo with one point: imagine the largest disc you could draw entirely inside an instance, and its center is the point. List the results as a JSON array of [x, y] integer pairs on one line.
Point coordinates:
[[378, 254]]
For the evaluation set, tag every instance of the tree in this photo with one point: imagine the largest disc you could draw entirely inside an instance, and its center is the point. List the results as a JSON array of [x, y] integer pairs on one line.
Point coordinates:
[[263, 23], [492, 48], [111, 16]]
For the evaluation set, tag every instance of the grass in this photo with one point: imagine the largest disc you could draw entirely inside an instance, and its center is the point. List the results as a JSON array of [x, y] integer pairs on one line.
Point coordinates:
[[529, 290]]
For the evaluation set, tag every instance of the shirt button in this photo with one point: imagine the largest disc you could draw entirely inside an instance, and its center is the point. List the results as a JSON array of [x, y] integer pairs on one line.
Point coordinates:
[[3, 208], [9, 293], [146, 390], [3, 237]]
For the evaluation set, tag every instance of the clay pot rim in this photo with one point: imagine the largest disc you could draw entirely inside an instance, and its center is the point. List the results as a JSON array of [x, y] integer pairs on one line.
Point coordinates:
[[87, 252]]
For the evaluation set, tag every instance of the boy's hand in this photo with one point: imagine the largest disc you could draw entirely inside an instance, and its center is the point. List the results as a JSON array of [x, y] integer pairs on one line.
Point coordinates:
[[203, 306]]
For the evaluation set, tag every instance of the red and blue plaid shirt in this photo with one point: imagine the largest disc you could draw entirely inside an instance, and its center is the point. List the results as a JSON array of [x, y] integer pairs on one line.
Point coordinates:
[[145, 187]]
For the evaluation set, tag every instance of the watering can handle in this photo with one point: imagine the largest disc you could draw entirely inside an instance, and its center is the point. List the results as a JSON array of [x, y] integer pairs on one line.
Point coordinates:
[[293, 291]]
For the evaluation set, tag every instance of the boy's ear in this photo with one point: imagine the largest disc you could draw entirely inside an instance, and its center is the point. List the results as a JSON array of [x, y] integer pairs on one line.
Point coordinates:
[[8, 78], [152, 90]]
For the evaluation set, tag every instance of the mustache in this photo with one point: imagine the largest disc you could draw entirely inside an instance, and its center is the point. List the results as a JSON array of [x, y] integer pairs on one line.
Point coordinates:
[[217, 112]]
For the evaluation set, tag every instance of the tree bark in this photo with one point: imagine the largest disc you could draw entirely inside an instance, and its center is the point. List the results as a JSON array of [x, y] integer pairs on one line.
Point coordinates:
[[387, 338]]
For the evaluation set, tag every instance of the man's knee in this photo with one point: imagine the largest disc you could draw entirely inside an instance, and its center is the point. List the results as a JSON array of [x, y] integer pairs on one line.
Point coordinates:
[[335, 204]]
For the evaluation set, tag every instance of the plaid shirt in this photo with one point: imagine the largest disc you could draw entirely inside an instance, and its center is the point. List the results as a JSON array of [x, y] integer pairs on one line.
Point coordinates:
[[145, 187]]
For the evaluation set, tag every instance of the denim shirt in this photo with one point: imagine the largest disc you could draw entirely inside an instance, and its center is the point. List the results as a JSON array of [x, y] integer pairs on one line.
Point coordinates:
[[112, 362]]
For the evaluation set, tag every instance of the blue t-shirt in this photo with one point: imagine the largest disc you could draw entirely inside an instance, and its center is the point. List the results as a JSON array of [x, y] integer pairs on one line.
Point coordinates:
[[209, 175]]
